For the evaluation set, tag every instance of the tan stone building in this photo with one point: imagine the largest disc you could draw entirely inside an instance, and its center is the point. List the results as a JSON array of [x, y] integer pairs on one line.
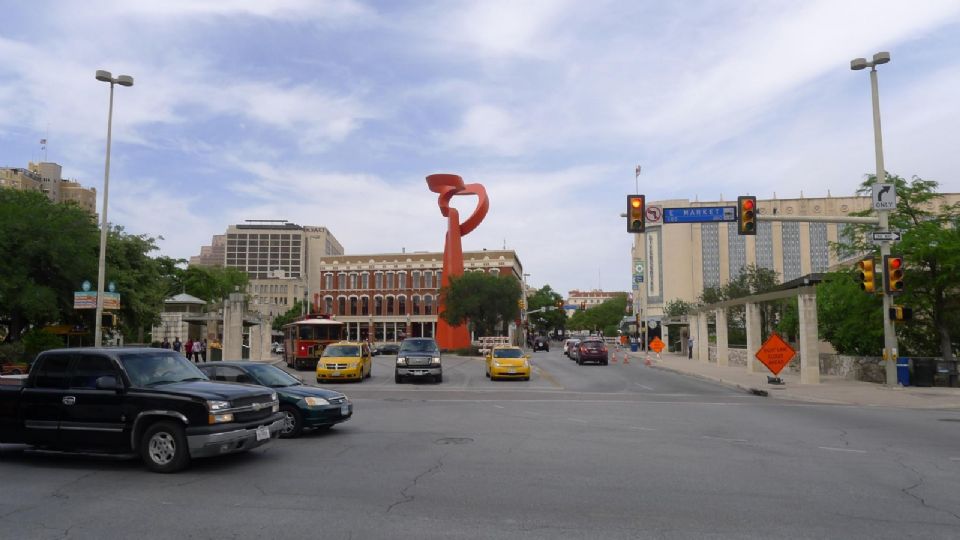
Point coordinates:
[[47, 178], [680, 260], [588, 299], [389, 295]]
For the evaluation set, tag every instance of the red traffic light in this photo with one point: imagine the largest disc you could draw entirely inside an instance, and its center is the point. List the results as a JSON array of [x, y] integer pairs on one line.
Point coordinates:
[[895, 263], [748, 204]]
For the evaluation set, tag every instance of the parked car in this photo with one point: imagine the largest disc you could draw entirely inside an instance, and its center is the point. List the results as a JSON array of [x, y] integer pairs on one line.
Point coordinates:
[[152, 402], [573, 346], [507, 362], [418, 358], [14, 368], [592, 350], [277, 348], [345, 360], [302, 406], [541, 343], [389, 349], [567, 344]]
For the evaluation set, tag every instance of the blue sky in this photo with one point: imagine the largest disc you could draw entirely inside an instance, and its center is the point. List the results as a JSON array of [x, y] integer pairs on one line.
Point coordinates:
[[333, 112]]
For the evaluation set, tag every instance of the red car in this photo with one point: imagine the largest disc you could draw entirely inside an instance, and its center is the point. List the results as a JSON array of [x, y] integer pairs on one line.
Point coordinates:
[[592, 350], [14, 368]]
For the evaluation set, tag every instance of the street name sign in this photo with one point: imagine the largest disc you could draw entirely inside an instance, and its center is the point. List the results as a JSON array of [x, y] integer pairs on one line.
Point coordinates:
[[775, 354], [703, 214], [656, 345], [884, 197], [886, 236]]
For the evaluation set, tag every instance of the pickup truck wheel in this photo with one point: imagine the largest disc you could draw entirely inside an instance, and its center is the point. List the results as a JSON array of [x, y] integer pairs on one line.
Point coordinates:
[[163, 447], [292, 422], [438, 378], [397, 379]]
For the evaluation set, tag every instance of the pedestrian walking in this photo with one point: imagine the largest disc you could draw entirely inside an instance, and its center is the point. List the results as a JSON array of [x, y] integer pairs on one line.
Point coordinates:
[[690, 348], [196, 351], [177, 345], [203, 350], [165, 344], [188, 349]]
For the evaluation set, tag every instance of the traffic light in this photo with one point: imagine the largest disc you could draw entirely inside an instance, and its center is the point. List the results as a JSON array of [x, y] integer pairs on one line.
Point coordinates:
[[901, 313], [866, 275], [108, 320], [747, 218], [893, 274], [636, 213]]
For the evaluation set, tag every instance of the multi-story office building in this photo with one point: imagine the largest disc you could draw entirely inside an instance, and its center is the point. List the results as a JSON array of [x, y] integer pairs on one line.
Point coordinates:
[[681, 260], [387, 296], [213, 255], [46, 177]]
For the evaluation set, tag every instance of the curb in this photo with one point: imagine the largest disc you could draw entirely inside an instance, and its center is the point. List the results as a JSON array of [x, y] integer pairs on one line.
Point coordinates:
[[728, 384]]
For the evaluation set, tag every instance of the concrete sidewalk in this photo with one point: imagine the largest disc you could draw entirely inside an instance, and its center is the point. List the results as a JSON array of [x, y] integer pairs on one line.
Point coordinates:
[[830, 390]]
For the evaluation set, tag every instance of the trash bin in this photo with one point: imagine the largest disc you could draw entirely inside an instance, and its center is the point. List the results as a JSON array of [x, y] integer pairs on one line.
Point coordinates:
[[924, 370], [634, 347], [903, 371]]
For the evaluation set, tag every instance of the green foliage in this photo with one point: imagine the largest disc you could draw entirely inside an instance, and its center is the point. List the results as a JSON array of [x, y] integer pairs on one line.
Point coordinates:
[[486, 301], [752, 279], [138, 278], [46, 251], [851, 320], [606, 317], [213, 283], [36, 341], [291, 315], [677, 308], [931, 250], [553, 319]]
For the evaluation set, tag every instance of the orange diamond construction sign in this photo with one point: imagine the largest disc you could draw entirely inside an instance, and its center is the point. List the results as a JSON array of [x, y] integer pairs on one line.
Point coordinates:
[[775, 354], [656, 345]]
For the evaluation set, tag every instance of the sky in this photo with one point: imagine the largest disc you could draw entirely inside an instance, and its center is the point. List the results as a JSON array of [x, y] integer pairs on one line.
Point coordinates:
[[333, 112]]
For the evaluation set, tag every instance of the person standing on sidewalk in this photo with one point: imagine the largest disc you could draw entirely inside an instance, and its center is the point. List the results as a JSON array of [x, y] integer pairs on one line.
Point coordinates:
[[197, 346], [690, 348], [203, 350]]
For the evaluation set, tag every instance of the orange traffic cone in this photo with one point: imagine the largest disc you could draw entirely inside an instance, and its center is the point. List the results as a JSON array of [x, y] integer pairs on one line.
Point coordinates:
[[626, 358]]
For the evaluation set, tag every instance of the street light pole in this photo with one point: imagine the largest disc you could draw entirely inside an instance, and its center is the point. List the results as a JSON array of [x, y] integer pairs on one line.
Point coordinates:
[[122, 80], [889, 333]]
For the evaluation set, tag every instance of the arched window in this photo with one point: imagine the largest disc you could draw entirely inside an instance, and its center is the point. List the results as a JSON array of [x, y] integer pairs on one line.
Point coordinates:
[[353, 281], [364, 305], [494, 271], [341, 281], [416, 280], [415, 304], [428, 305], [389, 305], [402, 305], [389, 280], [353, 305], [378, 280], [328, 282], [428, 280], [401, 280], [439, 279], [366, 280], [378, 305], [328, 305], [342, 305]]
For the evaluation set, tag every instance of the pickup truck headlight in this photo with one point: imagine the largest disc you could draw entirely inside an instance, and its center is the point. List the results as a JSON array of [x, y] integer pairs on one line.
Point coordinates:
[[315, 401], [220, 418], [214, 406], [435, 361], [401, 360], [273, 396]]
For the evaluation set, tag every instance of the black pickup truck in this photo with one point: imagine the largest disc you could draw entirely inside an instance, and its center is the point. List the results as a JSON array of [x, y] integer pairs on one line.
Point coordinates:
[[151, 402]]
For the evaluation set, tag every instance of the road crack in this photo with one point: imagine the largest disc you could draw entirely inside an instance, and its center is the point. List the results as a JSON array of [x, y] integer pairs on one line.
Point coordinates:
[[908, 491], [403, 492]]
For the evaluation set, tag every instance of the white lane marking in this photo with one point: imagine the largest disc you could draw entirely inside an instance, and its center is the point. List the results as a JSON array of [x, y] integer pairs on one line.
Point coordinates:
[[723, 439], [645, 387], [578, 420], [499, 406], [638, 428], [851, 450]]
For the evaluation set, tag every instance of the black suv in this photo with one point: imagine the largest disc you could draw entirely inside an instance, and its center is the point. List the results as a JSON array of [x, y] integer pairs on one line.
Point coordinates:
[[418, 358], [541, 343], [151, 402]]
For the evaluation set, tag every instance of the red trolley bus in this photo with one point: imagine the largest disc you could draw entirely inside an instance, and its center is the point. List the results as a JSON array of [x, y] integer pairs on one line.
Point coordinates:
[[304, 340]]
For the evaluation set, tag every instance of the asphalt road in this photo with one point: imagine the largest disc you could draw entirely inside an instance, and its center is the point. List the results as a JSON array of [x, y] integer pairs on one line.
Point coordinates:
[[618, 451]]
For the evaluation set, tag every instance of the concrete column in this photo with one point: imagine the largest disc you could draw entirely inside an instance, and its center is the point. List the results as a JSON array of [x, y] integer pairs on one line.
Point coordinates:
[[703, 338], [233, 310], [754, 338], [809, 341], [722, 349]]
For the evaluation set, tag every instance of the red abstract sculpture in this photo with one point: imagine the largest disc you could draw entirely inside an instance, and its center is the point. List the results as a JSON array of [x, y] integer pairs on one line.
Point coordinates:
[[449, 186]]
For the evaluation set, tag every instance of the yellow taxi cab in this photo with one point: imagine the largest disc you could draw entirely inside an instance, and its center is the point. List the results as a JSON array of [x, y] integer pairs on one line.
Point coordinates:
[[508, 362], [344, 360]]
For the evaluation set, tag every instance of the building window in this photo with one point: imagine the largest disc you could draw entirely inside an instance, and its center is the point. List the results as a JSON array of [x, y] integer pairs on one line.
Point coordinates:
[[353, 305], [494, 271], [353, 281], [378, 280], [328, 305], [416, 280], [402, 305], [342, 305], [819, 250], [389, 280], [428, 305], [764, 243], [378, 305], [366, 280], [428, 280], [365, 305], [401, 280], [737, 250], [439, 280], [341, 281], [791, 250], [389, 305], [415, 304], [710, 253]]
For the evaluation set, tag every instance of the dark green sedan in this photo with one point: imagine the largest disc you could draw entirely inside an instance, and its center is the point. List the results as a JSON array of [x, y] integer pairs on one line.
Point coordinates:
[[302, 406]]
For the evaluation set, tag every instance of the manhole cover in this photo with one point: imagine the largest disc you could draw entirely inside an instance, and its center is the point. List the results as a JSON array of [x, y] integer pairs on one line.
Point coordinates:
[[454, 440]]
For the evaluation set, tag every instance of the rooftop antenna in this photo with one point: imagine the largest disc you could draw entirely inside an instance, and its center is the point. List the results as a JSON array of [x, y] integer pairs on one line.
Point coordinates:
[[636, 179]]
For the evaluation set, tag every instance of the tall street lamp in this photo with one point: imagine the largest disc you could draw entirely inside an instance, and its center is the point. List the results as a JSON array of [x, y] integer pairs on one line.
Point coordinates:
[[889, 334], [122, 80]]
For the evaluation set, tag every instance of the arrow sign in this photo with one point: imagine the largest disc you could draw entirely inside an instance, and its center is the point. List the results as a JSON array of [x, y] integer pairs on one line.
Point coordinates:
[[886, 236]]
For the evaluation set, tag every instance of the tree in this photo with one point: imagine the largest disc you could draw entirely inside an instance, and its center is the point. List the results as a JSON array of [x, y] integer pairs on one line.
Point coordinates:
[[677, 308], [139, 280], [931, 249], [554, 317], [46, 251], [605, 317], [213, 283], [849, 319], [486, 301], [291, 315]]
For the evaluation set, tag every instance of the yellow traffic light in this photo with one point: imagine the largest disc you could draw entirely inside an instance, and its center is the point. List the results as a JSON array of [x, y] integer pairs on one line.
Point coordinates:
[[866, 275], [636, 213], [893, 274], [747, 216]]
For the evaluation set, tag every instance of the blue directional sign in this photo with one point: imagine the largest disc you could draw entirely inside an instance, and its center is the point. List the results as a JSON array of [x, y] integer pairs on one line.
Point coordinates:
[[703, 214]]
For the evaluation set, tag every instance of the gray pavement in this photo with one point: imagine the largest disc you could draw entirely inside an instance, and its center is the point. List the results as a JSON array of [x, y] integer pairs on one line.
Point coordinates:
[[619, 451]]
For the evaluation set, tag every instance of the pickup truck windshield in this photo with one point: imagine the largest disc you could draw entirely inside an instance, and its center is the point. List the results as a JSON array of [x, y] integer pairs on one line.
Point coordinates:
[[162, 367], [419, 345]]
